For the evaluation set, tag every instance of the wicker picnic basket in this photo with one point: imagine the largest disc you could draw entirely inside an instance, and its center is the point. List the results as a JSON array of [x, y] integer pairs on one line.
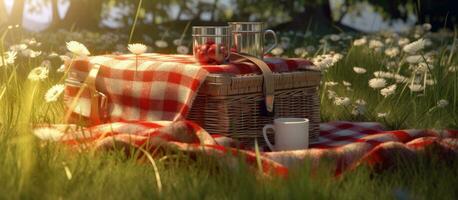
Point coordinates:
[[233, 105]]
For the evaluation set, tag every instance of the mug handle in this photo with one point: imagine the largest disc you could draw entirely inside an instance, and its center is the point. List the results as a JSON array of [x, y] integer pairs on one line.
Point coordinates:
[[275, 39], [264, 133]]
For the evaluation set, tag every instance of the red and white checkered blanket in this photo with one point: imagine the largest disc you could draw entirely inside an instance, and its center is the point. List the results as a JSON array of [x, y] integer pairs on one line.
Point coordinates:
[[154, 87], [348, 144]]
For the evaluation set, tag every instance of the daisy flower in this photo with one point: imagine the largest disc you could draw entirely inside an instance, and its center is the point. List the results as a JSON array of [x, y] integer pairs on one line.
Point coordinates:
[[54, 93], [403, 41], [77, 48], [392, 52], [182, 49], [415, 87], [8, 59], [375, 44], [31, 53], [61, 68], [161, 44], [382, 115], [342, 101], [377, 83], [137, 48], [331, 94], [414, 46], [442, 103], [348, 84], [18, 47], [360, 42], [331, 83], [427, 26], [177, 42], [334, 37], [414, 59], [388, 90], [38, 73], [359, 70], [382, 74], [277, 51], [46, 133], [301, 52]]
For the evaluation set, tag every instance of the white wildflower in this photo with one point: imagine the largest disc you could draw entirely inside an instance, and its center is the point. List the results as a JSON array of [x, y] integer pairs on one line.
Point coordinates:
[[53, 55], [62, 68], [400, 79], [18, 47], [331, 94], [382, 74], [414, 46], [77, 48], [46, 133], [403, 41], [360, 42], [54, 92], [382, 115], [31, 53], [301, 52], [137, 48], [430, 82], [38, 73], [414, 59], [177, 42], [427, 26], [342, 101], [388, 40], [415, 87], [392, 52], [359, 70], [348, 84], [442, 103], [8, 59], [182, 49], [337, 57], [334, 37], [377, 83], [330, 83], [277, 51], [323, 61], [424, 67], [161, 44], [388, 90], [359, 108], [375, 44]]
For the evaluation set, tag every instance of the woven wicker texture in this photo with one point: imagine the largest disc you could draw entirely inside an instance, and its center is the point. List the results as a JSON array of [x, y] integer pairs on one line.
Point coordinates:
[[234, 105]]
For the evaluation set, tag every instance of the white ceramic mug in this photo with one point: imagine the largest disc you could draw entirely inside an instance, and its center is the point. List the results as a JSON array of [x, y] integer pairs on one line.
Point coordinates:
[[290, 134]]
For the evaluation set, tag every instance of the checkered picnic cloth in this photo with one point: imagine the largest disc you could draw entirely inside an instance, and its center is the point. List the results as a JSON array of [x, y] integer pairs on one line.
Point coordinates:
[[152, 87], [348, 144]]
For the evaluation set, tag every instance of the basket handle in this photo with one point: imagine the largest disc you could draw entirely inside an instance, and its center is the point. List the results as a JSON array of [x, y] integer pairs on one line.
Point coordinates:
[[269, 89], [98, 100]]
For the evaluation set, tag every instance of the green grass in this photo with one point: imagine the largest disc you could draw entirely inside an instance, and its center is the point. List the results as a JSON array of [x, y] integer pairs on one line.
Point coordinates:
[[32, 169]]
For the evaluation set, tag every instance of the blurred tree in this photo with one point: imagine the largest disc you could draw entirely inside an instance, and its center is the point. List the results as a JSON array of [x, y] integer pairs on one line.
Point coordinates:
[[17, 13], [442, 13], [3, 13], [81, 14], [56, 20]]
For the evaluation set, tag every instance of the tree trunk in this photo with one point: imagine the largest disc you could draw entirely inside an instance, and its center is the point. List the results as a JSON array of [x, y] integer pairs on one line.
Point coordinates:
[[17, 13], [318, 15], [3, 13], [83, 14], [56, 20]]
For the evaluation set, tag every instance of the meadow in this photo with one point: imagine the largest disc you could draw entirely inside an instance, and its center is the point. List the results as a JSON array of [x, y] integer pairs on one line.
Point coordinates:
[[403, 80]]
